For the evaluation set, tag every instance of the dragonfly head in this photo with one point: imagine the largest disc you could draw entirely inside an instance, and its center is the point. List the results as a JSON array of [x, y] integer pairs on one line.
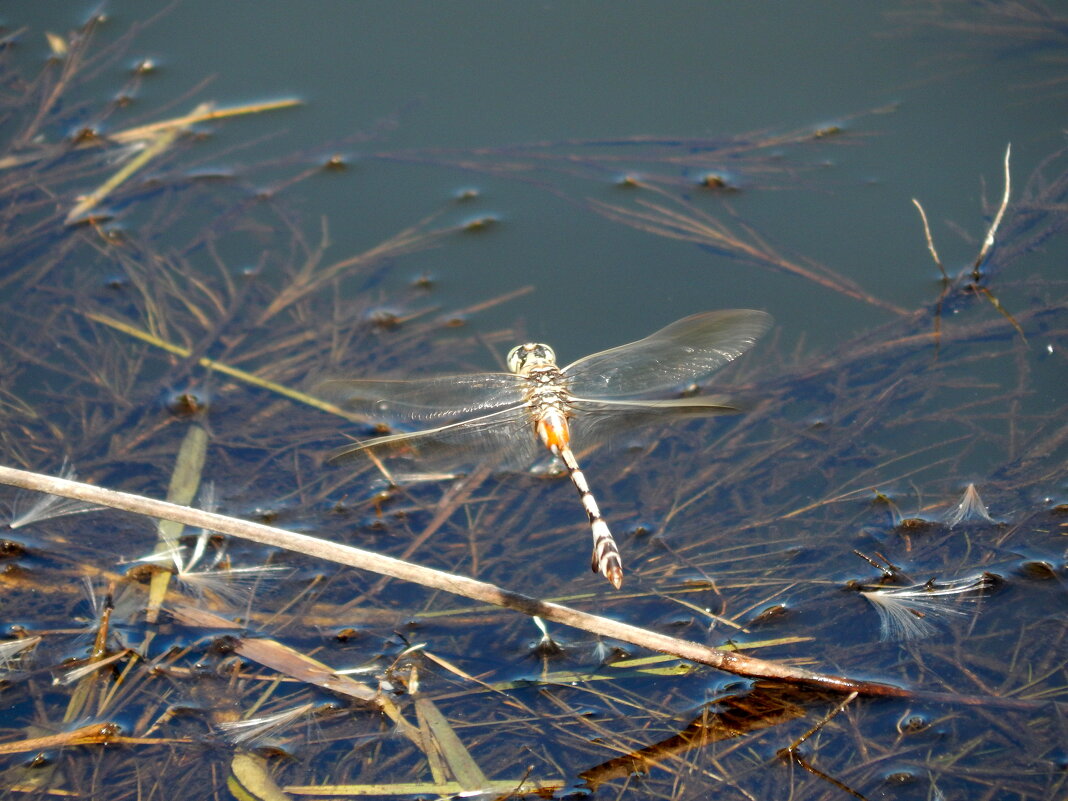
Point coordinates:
[[524, 358]]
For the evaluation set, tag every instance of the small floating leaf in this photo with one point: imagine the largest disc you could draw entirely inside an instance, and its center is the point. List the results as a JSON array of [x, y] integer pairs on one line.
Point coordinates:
[[57, 44]]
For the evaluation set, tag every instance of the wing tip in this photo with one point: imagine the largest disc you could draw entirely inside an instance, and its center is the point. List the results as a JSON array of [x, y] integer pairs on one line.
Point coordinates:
[[345, 453]]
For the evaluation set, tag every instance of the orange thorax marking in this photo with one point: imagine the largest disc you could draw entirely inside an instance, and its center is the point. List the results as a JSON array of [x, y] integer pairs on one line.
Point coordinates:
[[554, 432]]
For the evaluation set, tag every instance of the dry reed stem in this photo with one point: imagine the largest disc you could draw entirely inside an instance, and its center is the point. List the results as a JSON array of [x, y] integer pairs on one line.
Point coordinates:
[[93, 734], [984, 251], [930, 240], [163, 141], [448, 582], [988, 243], [203, 113]]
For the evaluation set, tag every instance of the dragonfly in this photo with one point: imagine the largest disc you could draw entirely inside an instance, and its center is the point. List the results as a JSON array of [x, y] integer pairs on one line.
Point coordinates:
[[510, 418]]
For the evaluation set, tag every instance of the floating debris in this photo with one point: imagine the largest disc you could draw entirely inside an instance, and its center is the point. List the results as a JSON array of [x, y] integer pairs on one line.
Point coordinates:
[[916, 525], [89, 667], [911, 613], [546, 646], [1037, 570], [234, 586], [58, 45], [971, 509], [12, 652], [882, 499], [35, 507], [480, 223], [255, 730]]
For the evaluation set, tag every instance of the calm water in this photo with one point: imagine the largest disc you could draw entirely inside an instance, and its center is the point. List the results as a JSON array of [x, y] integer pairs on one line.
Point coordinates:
[[823, 121], [475, 75]]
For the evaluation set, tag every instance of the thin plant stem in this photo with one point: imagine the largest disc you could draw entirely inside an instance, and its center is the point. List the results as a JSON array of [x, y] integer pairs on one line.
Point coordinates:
[[448, 582]]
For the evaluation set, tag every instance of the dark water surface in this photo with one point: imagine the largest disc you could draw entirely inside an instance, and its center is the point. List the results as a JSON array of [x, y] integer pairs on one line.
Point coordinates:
[[582, 174], [504, 75]]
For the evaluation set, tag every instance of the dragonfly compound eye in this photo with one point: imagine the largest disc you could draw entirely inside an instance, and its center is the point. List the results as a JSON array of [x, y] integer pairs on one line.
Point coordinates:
[[523, 357]]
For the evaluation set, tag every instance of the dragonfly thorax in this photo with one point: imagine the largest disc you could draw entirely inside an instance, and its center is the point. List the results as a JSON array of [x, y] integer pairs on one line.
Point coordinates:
[[524, 358]]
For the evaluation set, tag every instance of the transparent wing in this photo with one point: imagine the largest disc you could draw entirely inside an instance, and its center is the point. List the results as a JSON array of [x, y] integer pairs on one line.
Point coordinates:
[[683, 352], [426, 399], [598, 421], [504, 438]]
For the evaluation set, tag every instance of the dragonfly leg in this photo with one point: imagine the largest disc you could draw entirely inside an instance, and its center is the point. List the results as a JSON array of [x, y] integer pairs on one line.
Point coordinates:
[[606, 559]]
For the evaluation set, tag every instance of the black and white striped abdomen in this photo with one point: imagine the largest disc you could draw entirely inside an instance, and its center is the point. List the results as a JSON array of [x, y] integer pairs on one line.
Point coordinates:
[[606, 558]]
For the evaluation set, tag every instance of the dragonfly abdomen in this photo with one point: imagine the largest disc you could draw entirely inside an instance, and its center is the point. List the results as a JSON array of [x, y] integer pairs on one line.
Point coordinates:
[[549, 402], [606, 558]]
